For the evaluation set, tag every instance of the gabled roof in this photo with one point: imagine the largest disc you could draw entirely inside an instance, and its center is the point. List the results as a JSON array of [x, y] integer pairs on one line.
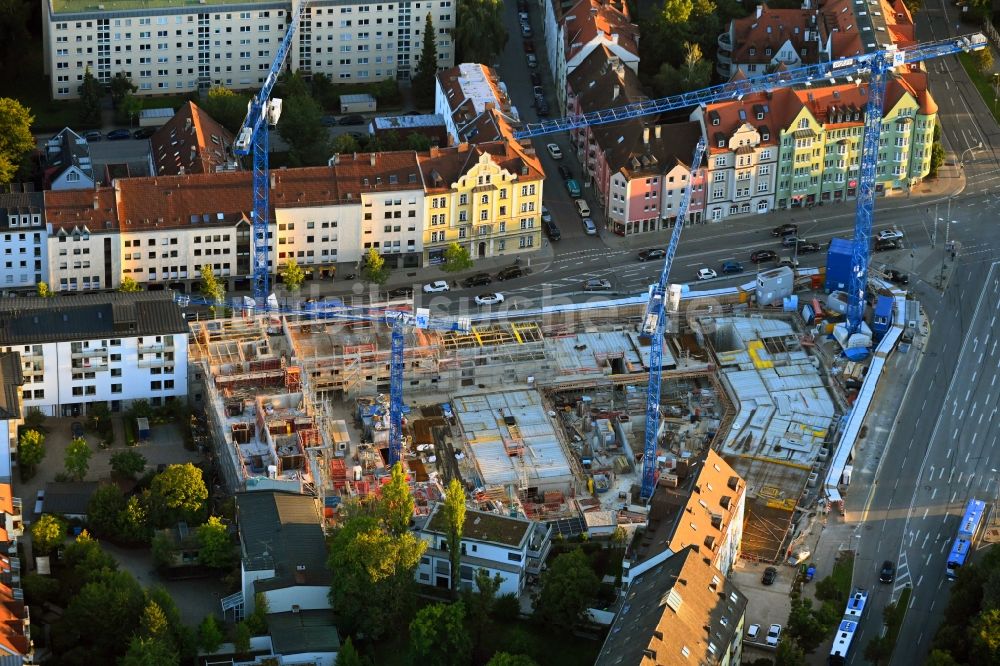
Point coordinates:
[[442, 167], [19, 199], [681, 612], [67, 149], [282, 531], [606, 19], [602, 81], [769, 28], [190, 142], [640, 152], [93, 209]]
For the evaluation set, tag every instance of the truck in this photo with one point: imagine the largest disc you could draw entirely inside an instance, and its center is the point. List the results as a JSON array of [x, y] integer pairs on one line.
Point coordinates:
[[838, 265]]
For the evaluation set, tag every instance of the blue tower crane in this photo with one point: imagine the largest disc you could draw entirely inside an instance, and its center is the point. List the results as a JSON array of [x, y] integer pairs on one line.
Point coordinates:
[[399, 321], [263, 112], [875, 67]]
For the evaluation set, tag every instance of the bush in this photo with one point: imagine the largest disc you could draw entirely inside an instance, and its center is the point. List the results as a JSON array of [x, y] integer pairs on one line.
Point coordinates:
[[506, 608]]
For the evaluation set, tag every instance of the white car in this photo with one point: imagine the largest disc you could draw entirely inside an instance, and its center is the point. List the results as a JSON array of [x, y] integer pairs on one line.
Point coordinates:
[[424, 447], [555, 151], [546, 215], [706, 273], [890, 234], [39, 502], [435, 287], [489, 299], [596, 284], [753, 631], [773, 632]]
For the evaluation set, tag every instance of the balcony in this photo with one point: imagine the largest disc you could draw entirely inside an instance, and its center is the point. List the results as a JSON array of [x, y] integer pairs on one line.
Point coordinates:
[[91, 351], [156, 347], [154, 361]]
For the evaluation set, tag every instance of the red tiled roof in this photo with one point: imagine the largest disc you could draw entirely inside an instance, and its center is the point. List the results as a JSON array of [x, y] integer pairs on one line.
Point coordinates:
[[93, 208], [771, 30], [441, 167], [589, 19], [6, 499], [190, 142]]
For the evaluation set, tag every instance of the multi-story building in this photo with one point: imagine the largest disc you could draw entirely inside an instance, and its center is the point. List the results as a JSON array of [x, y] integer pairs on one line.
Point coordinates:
[[514, 548], [176, 47], [109, 348], [683, 611], [474, 103], [768, 38], [699, 504], [84, 246], [486, 197], [191, 142], [67, 162], [22, 229]]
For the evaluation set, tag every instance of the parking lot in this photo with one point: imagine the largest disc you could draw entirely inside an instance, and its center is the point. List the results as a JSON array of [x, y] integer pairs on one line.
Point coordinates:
[[767, 604]]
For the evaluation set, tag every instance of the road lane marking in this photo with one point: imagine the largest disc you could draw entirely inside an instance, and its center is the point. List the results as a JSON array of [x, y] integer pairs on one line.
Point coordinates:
[[930, 477], [941, 475], [994, 380], [919, 581], [954, 435], [933, 495], [929, 556], [923, 546], [948, 455], [953, 496]]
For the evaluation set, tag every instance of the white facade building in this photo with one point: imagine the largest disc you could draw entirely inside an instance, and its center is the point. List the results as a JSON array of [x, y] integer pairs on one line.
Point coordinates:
[[511, 547], [462, 94], [174, 47], [23, 259], [110, 348]]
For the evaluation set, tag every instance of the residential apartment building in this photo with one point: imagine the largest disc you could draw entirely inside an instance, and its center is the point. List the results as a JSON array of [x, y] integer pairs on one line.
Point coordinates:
[[191, 142], [24, 261], [588, 25], [769, 38], [474, 104], [486, 197], [108, 348], [170, 49], [639, 169], [698, 504], [683, 611], [84, 246], [514, 548]]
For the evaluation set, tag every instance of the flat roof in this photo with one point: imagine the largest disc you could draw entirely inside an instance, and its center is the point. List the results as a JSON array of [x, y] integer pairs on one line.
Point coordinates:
[[107, 6], [407, 122], [483, 526]]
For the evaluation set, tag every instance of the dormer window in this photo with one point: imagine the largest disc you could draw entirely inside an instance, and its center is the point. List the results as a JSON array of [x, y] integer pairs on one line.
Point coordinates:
[[753, 51], [767, 51], [722, 144]]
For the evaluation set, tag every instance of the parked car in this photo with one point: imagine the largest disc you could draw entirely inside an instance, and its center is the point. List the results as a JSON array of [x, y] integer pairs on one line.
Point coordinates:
[[509, 273], [791, 241], [652, 253], [706, 274], [565, 172], [328, 121], [144, 133], [93, 136], [435, 287], [770, 575], [554, 150], [489, 299], [526, 31], [546, 215], [573, 187], [532, 60], [536, 79], [732, 267], [119, 135], [760, 256], [753, 631], [890, 234], [597, 285], [773, 634], [589, 227], [399, 292], [477, 280], [785, 229], [582, 208], [896, 277], [887, 573], [809, 248], [551, 230], [538, 91], [883, 245], [791, 262], [39, 502], [76, 429], [352, 119], [529, 46]]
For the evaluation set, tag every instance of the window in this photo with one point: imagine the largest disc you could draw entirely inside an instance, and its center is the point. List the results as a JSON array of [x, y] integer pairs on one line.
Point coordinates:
[[514, 557]]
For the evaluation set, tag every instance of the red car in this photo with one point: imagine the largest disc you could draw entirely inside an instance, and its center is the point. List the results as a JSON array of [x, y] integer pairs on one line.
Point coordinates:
[[529, 46]]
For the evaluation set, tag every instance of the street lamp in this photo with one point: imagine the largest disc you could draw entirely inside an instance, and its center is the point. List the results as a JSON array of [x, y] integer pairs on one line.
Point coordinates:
[[961, 159]]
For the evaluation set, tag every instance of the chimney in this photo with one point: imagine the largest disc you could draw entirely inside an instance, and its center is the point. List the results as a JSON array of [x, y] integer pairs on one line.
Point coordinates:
[[300, 574], [645, 136], [760, 10], [96, 202], [657, 131], [614, 38], [274, 181], [372, 159], [616, 91]]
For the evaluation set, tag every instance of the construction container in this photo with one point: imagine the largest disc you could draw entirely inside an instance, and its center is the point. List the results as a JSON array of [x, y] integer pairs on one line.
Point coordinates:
[[774, 285], [882, 317], [838, 264]]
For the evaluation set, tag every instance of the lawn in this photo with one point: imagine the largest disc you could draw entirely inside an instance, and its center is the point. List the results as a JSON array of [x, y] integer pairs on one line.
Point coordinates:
[[983, 82]]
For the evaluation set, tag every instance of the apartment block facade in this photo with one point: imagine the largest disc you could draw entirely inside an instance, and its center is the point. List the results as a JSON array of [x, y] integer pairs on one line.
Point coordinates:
[[175, 47], [24, 260]]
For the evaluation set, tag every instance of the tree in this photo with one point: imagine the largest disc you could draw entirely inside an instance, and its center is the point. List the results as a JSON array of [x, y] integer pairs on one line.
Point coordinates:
[[456, 258], [323, 90], [479, 605], [34, 419], [77, 461], [878, 649], [212, 290], [14, 35], [128, 464], [241, 639], [292, 275], [132, 525], [568, 586], [438, 636], [984, 60], [150, 652], [130, 107], [940, 658], [985, 634], [372, 587], [348, 655], [257, 621], [426, 74], [47, 533], [106, 609], [90, 100], [395, 507], [454, 515], [177, 493], [120, 86], [480, 34], [803, 625], [16, 140], [43, 291], [418, 142], [344, 144], [31, 448], [228, 108], [789, 654], [103, 509], [693, 74], [292, 84], [129, 285], [210, 634], [937, 159], [301, 126], [507, 659], [215, 548], [374, 269], [154, 621]]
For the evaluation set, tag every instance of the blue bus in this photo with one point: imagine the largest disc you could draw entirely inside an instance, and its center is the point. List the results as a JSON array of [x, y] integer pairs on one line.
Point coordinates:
[[968, 532], [844, 640]]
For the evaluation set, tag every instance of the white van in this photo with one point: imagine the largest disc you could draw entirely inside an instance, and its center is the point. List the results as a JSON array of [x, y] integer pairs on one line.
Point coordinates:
[[583, 208]]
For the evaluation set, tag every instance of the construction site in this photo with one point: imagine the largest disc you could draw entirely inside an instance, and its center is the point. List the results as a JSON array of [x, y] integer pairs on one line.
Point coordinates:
[[538, 417]]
